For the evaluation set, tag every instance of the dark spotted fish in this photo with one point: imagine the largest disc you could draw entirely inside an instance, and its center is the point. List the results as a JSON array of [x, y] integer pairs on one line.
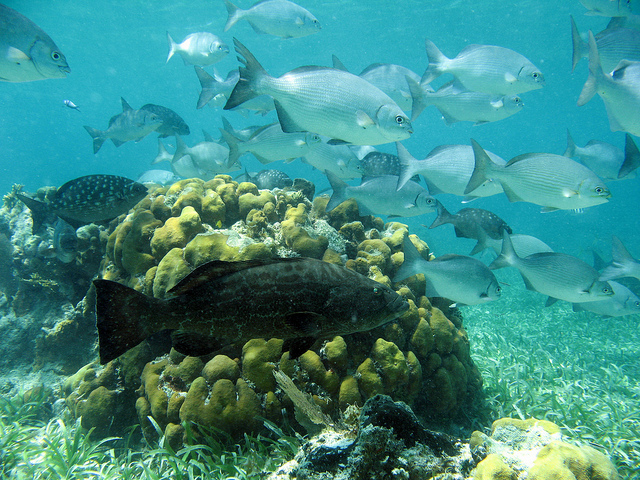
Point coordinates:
[[296, 299], [377, 163], [268, 179], [474, 223], [172, 123], [88, 199]]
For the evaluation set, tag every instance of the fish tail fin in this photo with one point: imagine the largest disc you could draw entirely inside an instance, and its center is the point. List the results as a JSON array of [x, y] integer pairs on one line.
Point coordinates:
[[579, 45], [339, 190], [418, 103], [571, 146], [39, 211], [163, 155], [443, 216], [181, 148], [631, 157], [507, 255], [412, 261], [249, 76], [173, 46], [407, 165], [232, 142], [595, 71], [436, 59], [98, 137], [622, 262], [235, 14], [124, 317], [206, 83], [482, 165]]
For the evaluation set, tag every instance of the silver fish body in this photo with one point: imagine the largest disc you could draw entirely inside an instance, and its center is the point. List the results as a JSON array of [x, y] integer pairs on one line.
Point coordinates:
[[447, 169], [27, 53], [338, 159], [129, 125], [209, 156], [622, 302], [270, 144], [200, 48], [158, 177], [280, 18], [551, 181], [377, 196], [325, 101], [524, 245], [71, 105], [558, 275], [485, 68], [214, 88], [619, 91], [464, 280]]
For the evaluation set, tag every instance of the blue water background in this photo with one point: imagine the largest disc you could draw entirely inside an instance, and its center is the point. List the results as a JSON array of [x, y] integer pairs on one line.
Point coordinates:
[[118, 49]]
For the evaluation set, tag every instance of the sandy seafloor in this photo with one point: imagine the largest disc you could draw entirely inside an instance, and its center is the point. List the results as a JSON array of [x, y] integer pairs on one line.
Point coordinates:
[[577, 369]]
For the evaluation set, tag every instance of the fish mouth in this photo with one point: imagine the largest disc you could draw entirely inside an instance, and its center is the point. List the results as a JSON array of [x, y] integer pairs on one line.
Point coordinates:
[[399, 305]]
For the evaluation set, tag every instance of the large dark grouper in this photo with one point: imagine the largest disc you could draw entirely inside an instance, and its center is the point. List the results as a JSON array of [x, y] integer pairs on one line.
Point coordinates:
[[296, 299]]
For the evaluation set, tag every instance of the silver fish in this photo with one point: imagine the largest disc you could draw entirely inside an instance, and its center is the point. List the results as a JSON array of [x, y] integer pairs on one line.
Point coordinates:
[[338, 159], [447, 169], [200, 48], [606, 160], [275, 17], [377, 196], [485, 68], [390, 78], [129, 125], [28, 53], [611, 8], [622, 302], [552, 181], [158, 177], [623, 264], [215, 88], [558, 275], [71, 105], [524, 245], [464, 280], [270, 144], [209, 156], [325, 101], [457, 104], [619, 91], [614, 45], [182, 167], [474, 223]]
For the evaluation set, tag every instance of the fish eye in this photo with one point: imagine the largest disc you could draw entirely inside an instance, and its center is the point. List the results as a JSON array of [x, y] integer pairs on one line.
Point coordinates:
[[599, 190], [56, 56], [498, 289], [535, 74], [607, 290], [399, 119], [377, 291], [637, 304]]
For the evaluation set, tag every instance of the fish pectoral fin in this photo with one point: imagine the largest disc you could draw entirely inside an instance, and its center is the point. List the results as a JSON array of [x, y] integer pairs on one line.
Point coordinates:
[[16, 55], [194, 344], [550, 301], [297, 346], [510, 78], [568, 193], [116, 142], [299, 21], [548, 209], [497, 103], [363, 120], [287, 123], [307, 323]]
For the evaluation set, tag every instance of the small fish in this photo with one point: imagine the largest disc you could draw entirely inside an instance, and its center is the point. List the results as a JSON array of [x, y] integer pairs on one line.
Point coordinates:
[[200, 48], [215, 88], [129, 125], [524, 245], [606, 160], [457, 104], [280, 18], [614, 45], [552, 181], [71, 105], [27, 52], [485, 68], [620, 91], [158, 177], [183, 166], [447, 169], [622, 302], [390, 78], [558, 275], [474, 223], [88, 199], [209, 156], [65, 241], [172, 123], [267, 179], [611, 8], [464, 280], [341, 160], [220, 303], [623, 264], [377, 196], [270, 144], [325, 101]]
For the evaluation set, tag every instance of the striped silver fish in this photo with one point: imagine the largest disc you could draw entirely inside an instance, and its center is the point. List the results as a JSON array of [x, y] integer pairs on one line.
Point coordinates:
[[552, 181], [323, 100]]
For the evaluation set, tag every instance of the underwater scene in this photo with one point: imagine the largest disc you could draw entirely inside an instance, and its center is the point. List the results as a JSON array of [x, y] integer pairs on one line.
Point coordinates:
[[320, 240]]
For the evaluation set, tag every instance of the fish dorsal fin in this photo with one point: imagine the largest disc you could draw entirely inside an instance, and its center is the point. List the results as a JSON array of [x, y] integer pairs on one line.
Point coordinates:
[[125, 105], [311, 68], [217, 269], [208, 137], [337, 64], [519, 158], [261, 129]]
